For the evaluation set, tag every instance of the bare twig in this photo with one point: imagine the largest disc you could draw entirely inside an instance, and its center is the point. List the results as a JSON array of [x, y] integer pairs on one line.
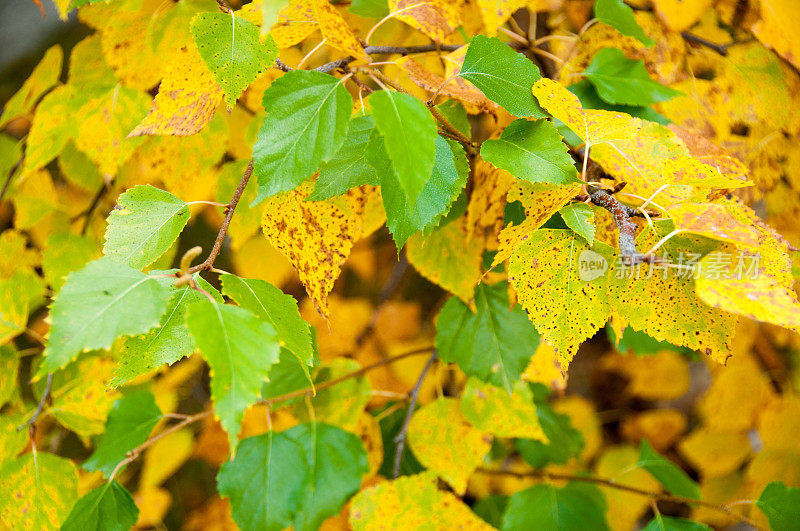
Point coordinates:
[[223, 229], [544, 474], [450, 128], [283, 66], [400, 439], [40, 407], [627, 228], [721, 49]]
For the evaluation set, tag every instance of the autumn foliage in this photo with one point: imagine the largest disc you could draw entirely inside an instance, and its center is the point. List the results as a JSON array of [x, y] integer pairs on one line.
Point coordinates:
[[447, 264]]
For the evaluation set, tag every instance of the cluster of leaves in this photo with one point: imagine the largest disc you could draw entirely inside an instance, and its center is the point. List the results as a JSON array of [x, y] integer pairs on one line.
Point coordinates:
[[496, 172]]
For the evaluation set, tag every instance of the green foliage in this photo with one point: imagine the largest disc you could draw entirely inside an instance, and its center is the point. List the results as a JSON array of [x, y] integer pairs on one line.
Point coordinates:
[[503, 75], [145, 226], [532, 151], [580, 218], [129, 424], [564, 441], [781, 505], [617, 14], [622, 81], [409, 137], [349, 167], [574, 507], [669, 523], [369, 8], [239, 367], [109, 507], [297, 477], [99, 303], [232, 50], [667, 473], [307, 117], [591, 100], [493, 343], [64, 253]]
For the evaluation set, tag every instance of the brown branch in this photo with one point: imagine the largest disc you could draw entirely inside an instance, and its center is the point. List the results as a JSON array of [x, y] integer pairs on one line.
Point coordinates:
[[627, 228], [451, 129], [223, 229], [400, 439], [721, 49], [283, 66], [45, 395], [543, 474]]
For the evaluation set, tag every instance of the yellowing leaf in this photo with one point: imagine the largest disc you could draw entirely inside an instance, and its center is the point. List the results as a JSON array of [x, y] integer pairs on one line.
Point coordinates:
[[488, 201], [495, 13], [545, 368], [583, 417], [34, 198], [457, 88], [186, 99], [412, 502], [624, 508], [52, 127], [126, 51], [153, 504], [493, 410], [336, 32], [44, 76], [777, 30], [664, 376], [779, 424], [678, 15], [316, 236], [14, 254], [756, 295], [435, 18], [661, 427], [540, 200], [295, 22], [714, 221], [715, 453], [441, 425], [563, 307], [13, 312], [106, 122], [446, 260], [165, 456]]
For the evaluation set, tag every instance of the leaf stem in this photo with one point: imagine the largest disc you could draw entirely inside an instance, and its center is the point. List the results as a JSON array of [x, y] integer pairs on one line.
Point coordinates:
[[40, 406], [400, 439]]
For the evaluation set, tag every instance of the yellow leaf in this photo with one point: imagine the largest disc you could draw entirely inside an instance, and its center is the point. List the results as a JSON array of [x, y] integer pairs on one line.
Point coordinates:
[[564, 308], [13, 312], [127, 52], [445, 443], [664, 376], [106, 122], [336, 32], [624, 508], [215, 515], [777, 28], [435, 18], [340, 405], [12, 441], [256, 258], [412, 502], [165, 456], [488, 202], [153, 503], [473, 99], [445, 259], [712, 220], [186, 99], [14, 253], [678, 15], [44, 76], [369, 431], [715, 453], [338, 334], [495, 13], [661, 427], [316, 236], [779, 424], [722, 491], [295, 22], [52, 126], [494, 410], [34, 198], [87, 66], [544, 368], [541, 201]]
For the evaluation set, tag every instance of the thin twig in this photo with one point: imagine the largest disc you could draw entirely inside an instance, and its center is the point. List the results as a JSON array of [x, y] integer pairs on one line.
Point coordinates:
[[87, 214], [223, 229], [450, 128], [283, 66], [40, 407], [721, 49], [627, 228], [389, 287], [543, 474], [400, 439]]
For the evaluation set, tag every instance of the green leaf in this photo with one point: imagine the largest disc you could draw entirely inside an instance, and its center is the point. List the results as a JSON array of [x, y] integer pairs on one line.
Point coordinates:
[[491, 509], [564, 443], [494, 344], [618, 15], [36, 491], [296, 478], [289, 374], [449, 176], [349, 167], [591, 100], [129, 424], [532, 151], [337, 461], [233, 51], [675, 480], [167, 343], [641, 344], [98, 304], [456, 115], [369, 8], [580, 218], [64, 253], [10, 154], [9, 367], [240, 348], [503, 75], [669, 523], [409, 136], [275, 307], [620, 80], [265, 481], [145, 226], [574, 507], [109, 507], [781, 505], [307, 117]]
